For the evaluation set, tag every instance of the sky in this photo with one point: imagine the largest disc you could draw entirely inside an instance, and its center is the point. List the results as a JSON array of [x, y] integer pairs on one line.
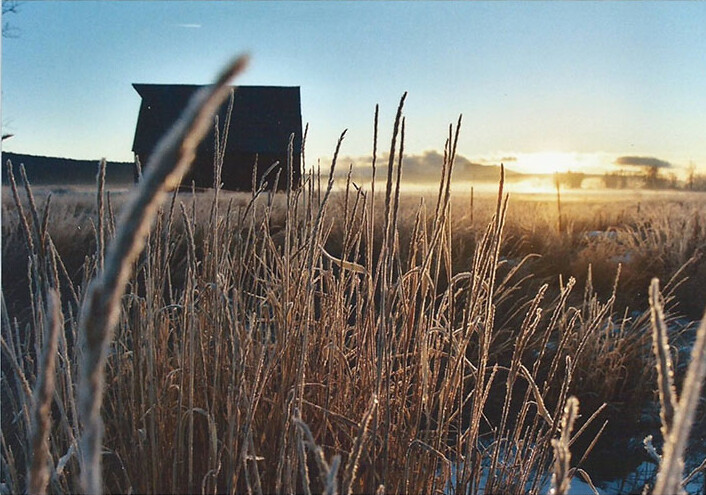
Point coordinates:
[[543, 86]]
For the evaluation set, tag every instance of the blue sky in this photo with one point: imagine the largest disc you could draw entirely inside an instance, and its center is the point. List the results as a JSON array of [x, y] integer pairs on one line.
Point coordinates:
[[556, 84]]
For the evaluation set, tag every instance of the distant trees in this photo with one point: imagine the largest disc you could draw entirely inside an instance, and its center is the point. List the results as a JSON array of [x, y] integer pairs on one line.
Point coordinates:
[[699, 183], [694, 181], [615, 180], [647, 177], [651, 177], [571, 180], [647, 168], [691, 175]]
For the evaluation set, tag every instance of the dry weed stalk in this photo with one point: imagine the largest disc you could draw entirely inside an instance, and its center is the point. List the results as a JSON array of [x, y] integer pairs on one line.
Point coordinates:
[[327, 473], [26, 232], [665, 369], [170, 161], [562, 464], [44, 390], [671, 469], [349, 474]]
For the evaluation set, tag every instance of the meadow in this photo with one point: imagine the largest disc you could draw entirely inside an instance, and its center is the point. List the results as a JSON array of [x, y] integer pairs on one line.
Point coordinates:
[[349, 339]]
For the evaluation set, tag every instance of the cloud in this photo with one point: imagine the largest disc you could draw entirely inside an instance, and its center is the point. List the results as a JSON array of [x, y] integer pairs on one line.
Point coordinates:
[[496, 159], [642, 161], [428, 164], [423, 167], [188, 26]]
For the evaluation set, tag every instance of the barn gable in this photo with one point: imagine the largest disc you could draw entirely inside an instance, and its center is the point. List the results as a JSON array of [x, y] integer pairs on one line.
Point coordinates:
[[262, 121]]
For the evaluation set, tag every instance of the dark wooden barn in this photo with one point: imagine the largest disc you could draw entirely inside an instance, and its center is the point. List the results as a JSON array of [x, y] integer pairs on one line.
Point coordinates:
[[262, 121]]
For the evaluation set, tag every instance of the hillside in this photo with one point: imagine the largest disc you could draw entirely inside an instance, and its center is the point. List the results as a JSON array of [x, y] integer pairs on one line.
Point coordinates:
[[43, 170]]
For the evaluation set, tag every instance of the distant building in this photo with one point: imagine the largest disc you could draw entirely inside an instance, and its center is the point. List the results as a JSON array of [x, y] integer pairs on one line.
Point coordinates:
[[262, 121]]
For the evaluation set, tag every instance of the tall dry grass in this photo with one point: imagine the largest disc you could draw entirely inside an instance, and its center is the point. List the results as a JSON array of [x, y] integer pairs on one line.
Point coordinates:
[[248, 349]]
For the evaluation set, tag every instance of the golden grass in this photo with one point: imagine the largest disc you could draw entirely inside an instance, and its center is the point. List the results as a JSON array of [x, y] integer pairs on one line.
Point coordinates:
[[316, 341]]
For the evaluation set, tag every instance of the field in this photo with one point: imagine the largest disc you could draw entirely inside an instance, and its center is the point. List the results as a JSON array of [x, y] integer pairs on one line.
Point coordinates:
[[352, 340]]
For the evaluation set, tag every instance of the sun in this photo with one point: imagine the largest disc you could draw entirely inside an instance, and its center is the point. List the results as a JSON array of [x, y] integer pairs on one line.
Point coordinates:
[[547, 162]]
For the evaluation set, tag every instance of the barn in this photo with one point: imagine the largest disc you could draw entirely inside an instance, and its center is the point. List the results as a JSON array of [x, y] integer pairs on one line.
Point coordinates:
[[262, 121]]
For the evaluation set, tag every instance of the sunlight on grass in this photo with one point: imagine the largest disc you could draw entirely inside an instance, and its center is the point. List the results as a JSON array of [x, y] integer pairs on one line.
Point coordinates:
[[331, 339]]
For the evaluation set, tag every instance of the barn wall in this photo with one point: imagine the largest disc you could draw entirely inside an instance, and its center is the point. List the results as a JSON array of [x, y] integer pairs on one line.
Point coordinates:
[[263, 119]]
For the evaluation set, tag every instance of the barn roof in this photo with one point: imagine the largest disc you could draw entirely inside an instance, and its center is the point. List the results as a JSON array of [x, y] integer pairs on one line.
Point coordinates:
[[263, 116]]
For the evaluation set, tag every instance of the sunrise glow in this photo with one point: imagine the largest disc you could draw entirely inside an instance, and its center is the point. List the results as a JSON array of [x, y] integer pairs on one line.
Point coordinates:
[[549, 162]]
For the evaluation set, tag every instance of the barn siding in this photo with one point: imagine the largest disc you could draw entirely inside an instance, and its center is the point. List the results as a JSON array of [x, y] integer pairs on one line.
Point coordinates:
[[262, 121]]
